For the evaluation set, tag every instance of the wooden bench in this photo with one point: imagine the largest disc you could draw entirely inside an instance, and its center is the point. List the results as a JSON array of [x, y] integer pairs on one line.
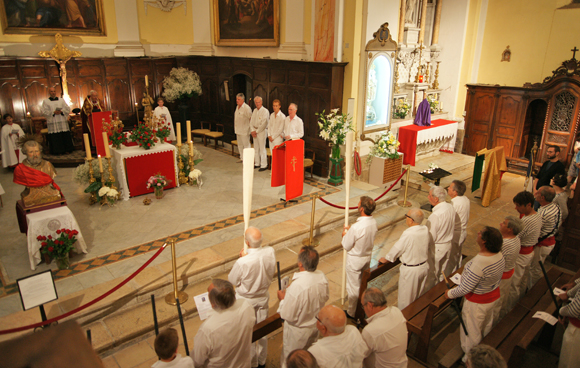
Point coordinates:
[[267, 326], [215, 135]]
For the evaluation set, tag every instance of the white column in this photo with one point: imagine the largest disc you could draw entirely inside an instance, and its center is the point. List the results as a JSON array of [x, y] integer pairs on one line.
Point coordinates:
[[293, 47], [202, 25], [129, 44]]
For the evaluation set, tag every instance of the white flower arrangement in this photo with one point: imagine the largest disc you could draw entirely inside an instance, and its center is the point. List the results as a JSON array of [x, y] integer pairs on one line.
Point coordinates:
[[181, 83], [194, 174], [81, 173], [386, 146], [109, 194], [104, 191], [334, 126]]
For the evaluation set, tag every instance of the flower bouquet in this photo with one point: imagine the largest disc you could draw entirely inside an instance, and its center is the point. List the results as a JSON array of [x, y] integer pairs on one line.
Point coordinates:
[[157, 182], [385, 147], [163, 130], [333, 127], [195, 178], [181, 84], [109, 196], [60, 247], [81, 175], [433, 104], [401, 109], [144, 136], [115, 133]]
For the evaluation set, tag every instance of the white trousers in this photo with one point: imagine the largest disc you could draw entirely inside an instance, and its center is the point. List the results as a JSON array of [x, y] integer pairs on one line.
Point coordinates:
[[277, 141], [260, 348], [570, 354], [501, 308], [354, 268], [243, 142], [478, 320], [517, 286], [411, 283], [297, 338], [261, 157], [456, 252], [540, 254], [442, 253]]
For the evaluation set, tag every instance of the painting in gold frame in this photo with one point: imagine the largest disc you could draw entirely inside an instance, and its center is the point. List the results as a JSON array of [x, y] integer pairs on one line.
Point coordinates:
[[246, 22], [48, 17]]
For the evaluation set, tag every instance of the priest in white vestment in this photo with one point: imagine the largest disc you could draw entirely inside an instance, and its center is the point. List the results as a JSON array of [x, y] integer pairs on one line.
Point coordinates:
[[10, 133], [56, 112], [162, 113]]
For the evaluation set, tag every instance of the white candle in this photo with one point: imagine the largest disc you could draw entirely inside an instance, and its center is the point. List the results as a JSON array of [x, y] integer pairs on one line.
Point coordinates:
[[146, 81], [188, 130], [191, 148], [178, 128], [100, 164], [87, 146]]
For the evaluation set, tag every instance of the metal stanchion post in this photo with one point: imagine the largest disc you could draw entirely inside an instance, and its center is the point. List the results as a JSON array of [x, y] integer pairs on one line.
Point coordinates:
[[175, 294], [310, 240], [404, 202]]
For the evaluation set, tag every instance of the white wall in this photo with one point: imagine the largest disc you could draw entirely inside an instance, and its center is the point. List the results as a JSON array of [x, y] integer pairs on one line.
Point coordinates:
[[379, 12]]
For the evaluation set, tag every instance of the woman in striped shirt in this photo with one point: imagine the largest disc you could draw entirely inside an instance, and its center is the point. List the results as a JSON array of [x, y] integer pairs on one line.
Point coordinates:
[[480, 286], [570, 354]]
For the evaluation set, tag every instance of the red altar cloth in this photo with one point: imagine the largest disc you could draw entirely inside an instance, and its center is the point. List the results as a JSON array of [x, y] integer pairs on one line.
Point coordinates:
[[288, 167], [96, 124], [408, 139], [140, 168]]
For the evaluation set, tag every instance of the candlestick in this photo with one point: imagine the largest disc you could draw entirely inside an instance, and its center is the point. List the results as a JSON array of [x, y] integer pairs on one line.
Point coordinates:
[[146, 81], [191, 157], [188, 130], [87, 146], [178, 128], [111, 177], [106, 142], [190, 148], [137, 112], [182, 179], [100, 164]]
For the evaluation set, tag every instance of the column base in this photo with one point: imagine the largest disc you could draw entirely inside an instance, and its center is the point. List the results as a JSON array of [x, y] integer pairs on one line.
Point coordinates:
[[129, 50], [205, 49], [292, 51]]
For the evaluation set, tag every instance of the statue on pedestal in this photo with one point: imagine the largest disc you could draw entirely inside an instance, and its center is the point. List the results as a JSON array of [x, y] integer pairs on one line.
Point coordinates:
[[147, 103], [36, 174]]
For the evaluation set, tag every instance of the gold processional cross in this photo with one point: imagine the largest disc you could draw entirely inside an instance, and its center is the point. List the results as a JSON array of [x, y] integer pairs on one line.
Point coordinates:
[[61, 55]]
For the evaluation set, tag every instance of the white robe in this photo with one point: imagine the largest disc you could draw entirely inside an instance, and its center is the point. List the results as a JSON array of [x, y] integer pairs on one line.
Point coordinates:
[[165, 111], [346, 350], [59, 122], [386, 338], [258, 125], [9, 145], [441, 225]]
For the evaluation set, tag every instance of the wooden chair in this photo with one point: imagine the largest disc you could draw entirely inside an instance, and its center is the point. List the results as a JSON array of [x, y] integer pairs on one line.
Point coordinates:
[[235, 143], [218, 134], [309, 163], [201, 132]]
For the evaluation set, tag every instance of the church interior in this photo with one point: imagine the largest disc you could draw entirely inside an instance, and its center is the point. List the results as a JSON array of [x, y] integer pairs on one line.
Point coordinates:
[[496, 81]]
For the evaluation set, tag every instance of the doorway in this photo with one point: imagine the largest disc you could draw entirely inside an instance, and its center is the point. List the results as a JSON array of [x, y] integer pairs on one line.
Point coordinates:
[[533, 126], [243, 84]]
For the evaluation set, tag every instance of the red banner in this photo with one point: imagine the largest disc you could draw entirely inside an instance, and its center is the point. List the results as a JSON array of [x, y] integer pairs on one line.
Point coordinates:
[[96, 124], [288, 167]]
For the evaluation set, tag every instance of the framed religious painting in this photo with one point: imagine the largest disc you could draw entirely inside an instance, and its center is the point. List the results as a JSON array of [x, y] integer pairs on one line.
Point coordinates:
[[47, 17], [246, 22]]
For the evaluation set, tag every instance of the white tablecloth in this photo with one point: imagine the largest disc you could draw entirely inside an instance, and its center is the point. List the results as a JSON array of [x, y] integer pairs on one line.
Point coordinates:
[[46, 223], [119, 156], [443, 132]]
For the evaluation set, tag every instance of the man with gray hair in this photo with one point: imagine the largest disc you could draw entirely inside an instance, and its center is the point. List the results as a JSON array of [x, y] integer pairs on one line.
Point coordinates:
[[386, 332], [341, 346], [293, 125], [509, 228], [301, 358], [484, 356], [252, 276], [225, 338], [462, 206], [441, 225], [242, 117], [259, 131], [412, 249], [301, 302]]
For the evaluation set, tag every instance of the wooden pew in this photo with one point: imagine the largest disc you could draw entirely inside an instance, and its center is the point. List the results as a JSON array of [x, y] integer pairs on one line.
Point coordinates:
[[267, 326]]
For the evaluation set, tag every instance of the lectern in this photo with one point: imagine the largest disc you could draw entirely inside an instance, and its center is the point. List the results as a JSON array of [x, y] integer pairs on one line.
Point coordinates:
[[96, 125], [288, 167]]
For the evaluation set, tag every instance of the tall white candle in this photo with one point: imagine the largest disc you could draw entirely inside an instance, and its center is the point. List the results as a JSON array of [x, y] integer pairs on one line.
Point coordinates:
[[87, 146]]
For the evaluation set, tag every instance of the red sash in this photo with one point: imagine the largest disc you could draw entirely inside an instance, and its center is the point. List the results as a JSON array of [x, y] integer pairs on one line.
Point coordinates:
[[574, 321], [27, 176], [548, 242], [526, 250], [508, 274], [492, 296]]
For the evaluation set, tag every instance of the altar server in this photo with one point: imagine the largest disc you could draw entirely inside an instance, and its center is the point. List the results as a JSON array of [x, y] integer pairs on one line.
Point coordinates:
[[509, 228], [259, 131], [461, 205], [386, 332], [570, 354], [293, 125], [532, 224], [10, 133], [480, 286], [276, 125], [56, 112], [412, 249], [441, 225], [224, 340], [358, 241], [162, 113], [301, 302], [252, 275], [242, 117]]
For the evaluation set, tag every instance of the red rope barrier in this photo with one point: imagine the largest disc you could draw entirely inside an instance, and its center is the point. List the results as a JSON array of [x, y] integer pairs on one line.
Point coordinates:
[[86, 305], [376, 199]]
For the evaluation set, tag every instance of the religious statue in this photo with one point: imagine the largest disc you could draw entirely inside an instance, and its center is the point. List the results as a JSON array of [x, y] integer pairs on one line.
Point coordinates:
[[147, 103], [410, 11], [36, 174]]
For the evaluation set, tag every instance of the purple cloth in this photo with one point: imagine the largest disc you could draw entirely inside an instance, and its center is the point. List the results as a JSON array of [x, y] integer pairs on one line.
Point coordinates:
[[423, 117]]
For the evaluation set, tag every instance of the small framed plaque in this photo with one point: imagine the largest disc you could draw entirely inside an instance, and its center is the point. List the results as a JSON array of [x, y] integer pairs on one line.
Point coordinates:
[[36, 290]]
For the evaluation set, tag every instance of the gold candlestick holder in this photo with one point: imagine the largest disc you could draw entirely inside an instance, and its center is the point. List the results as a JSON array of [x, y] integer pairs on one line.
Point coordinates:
[[103, 184], [397, 89], [427, 74], [93, 198], [111, 176], [436, 82], [182, 179]]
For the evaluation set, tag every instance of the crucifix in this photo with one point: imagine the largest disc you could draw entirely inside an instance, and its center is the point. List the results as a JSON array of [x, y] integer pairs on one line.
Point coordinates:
[[420, 66], [574, 52], [61, 55], [293, 162]]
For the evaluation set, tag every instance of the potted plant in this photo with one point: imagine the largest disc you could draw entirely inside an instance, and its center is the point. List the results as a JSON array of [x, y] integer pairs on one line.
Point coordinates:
[[401, 109], [58, 248], [181, 84], [163, 130], [384, 160], [157, 182], [115, 133], [333, 128]]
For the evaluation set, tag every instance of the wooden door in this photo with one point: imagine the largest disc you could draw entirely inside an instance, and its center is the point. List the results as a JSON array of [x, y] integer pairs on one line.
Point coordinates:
[[505, 122], [480, 106], [561, 123]]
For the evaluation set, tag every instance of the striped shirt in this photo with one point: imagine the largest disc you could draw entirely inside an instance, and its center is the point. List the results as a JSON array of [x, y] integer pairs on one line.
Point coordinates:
[[510, 250], [551, 218], [481, 275], [531, 232], [573, 308]]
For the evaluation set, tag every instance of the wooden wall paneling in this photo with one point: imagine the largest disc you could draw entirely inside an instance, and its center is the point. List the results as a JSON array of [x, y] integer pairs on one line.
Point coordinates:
[[479, 120], [91, 76], [317, 103], [120, 96], [11, 101], [504, 127], [260, 90]]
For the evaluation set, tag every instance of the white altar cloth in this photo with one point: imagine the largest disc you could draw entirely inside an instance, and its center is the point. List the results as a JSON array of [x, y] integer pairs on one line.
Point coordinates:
[[46, 223]]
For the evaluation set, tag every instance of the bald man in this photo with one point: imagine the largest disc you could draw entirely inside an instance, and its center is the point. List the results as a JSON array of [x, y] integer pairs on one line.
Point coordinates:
[[412, 249], [341, 346], [259, 131]]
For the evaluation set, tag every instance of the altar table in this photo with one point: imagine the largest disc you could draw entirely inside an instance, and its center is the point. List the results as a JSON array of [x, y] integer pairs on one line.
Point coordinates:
[[134, 165], [415, 140], [46, 223]]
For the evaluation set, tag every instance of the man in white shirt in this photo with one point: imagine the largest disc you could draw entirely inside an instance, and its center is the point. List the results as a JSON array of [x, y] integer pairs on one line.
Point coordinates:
[[386, 332], [293, 125], [252, 275], [358, 241], [301, 302], [225, 338], [301, 358], [341, 346], [276, 125], [461, 205], [413, 250], [259, 131], [56, 112], [441, 225], [166, 346], [242, 117]]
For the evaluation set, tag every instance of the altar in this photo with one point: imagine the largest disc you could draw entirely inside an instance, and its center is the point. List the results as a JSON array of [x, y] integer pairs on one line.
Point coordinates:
[[134, 165], [422, 140]]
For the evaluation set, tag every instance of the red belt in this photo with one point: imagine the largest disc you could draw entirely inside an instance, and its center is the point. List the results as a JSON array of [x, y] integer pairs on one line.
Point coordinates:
[[492, 296], [508, 274], [548, 242], [526, 250], [574, 321]]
